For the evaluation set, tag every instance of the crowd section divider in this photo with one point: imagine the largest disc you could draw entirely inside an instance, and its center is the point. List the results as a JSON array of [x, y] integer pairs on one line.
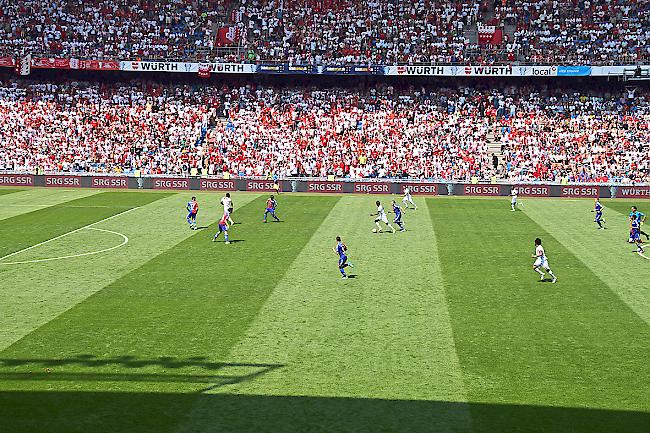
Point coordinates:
[[316, 185]]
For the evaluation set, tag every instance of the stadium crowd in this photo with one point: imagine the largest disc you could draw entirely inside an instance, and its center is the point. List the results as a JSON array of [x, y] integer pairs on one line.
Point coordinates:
[[379, 131], [329, 31]]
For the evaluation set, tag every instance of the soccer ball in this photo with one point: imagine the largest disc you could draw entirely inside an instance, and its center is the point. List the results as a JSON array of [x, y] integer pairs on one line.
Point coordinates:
[[374, 230]]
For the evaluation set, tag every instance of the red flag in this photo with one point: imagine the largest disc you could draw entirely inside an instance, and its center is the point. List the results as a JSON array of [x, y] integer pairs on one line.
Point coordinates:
[[227, 36], [204, 70], [490, 35]]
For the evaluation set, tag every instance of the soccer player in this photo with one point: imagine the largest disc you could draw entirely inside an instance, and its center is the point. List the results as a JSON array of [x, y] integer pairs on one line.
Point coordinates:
[[340, 249], [227, 207], [223, 227], [640, 216], [513, 199], [635, 234], [398, 216], [408, 199], [192, 209], [276, 183], [541, 262], [598, 208], [381, 216], [271, 205]]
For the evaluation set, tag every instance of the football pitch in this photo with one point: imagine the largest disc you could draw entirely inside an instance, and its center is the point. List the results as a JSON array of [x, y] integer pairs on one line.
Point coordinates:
[[116, 317]]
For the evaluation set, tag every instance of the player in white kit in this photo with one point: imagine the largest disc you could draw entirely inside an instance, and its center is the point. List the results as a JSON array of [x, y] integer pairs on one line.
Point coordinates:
[[541, 262], [227, 208], [381, 216], [513, 199], [408, 199]]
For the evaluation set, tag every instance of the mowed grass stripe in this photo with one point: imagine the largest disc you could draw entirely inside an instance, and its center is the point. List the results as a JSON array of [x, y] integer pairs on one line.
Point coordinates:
[[4, 191], [384, 334], [605, 252], [25, 230], [163, 327], [33, 199], [38, 292], [573, 344]]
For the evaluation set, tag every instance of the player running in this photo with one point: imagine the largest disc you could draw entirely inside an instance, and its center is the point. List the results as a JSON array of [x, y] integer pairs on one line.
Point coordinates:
[[408, 199], [640, 216], [381, 216], [398, 216], [340, 249], [598, 208], [541, 262], [635, 234], [192, 209], [513, 199], [227, 208], [223, 228], [271, 205]]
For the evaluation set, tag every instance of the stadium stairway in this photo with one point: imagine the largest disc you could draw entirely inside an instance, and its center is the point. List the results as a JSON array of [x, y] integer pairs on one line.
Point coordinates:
[[494, 147]]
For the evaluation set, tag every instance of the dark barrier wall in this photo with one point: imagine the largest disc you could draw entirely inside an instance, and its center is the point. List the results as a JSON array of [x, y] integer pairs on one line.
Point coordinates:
[[322, 186]]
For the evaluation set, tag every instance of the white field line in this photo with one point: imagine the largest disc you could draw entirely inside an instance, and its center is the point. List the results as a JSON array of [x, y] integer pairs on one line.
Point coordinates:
[[62, 205], [125, 240], [643, 255], [68, 233]]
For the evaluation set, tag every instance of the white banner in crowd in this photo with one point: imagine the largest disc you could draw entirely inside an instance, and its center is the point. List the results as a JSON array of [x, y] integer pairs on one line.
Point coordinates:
[[216, 68], [403, 70], [473, 71]]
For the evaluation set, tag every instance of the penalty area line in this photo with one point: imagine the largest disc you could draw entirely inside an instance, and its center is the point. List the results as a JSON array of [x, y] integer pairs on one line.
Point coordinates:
[[68, 233], [643, 255], [125, 240]]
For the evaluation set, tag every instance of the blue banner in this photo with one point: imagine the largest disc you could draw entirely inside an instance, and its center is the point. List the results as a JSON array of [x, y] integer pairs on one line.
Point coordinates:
[[573, 71]]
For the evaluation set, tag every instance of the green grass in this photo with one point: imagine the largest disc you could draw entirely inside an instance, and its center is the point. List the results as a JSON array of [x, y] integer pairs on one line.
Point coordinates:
[[444, 327]]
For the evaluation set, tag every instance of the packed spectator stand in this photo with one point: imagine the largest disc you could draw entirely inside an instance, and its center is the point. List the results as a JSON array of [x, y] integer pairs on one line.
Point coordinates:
[[375, 131], [331, 31]]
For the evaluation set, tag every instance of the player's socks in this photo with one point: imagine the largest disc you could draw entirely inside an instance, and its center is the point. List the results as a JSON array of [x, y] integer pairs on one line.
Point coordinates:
[[350, 265]]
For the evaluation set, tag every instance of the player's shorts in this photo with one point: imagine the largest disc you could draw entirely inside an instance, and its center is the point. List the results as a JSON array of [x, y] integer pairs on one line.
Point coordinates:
[[599, 216], [541, 262], [513, 200], [382, 218], [191, 215], [398, 219], [407, 198], [342, 260], [270, 210], [635, 235], [222, 228]]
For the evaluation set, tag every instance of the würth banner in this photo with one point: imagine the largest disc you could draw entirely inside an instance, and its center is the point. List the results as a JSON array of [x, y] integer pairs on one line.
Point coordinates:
[[633, 192]]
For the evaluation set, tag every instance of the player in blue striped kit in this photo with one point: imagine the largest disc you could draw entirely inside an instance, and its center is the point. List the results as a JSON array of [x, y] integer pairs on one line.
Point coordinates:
[[340, 249], [598, 208], [398, 216]]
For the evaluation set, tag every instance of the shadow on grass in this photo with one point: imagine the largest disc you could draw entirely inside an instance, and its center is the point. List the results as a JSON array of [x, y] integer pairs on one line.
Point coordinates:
[[96, 400], [53, 412], [84, 368]]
